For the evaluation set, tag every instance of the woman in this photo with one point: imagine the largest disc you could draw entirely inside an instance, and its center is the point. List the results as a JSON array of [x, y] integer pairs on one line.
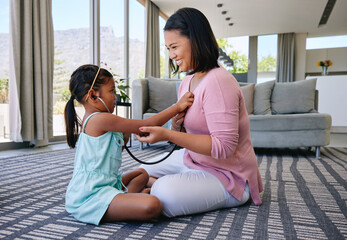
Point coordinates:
[[218, 167]]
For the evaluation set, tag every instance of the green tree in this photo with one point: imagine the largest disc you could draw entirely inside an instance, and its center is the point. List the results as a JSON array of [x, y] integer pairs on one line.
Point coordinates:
[[162, 66], [223, 44], [3, 90], [65, 95], [267, 64], [240, 60], [60, 75], [141, 73]]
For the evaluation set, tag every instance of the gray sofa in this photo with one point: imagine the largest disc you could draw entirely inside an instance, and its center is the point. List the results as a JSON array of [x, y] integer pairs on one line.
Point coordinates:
[[282, 115]]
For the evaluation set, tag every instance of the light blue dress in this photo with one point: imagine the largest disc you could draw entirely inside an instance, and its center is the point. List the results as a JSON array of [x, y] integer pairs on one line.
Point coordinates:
[[95, 181]]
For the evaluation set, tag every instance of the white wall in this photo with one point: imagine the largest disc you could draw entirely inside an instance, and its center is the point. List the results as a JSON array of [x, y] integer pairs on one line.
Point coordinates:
[[332, 89], [333, 98], [337, 55]]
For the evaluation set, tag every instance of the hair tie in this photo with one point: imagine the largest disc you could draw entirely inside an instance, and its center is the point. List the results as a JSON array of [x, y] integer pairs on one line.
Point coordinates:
[[72, 97]]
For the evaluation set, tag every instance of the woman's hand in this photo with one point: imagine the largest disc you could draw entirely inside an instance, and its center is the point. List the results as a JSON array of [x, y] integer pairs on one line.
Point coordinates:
[[186, 101], [177, 121], [153, 134]]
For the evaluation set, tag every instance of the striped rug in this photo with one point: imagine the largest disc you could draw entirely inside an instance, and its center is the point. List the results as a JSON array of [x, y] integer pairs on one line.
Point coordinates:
[[303, 198]]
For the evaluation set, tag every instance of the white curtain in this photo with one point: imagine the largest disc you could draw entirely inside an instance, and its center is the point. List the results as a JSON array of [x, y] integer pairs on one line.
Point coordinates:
[[285, 58], [31, 71], [152, 40]]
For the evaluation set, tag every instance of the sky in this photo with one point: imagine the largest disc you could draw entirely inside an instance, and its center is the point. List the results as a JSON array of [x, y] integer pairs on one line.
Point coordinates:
[[111, 14], [4, 16], [76, 15]]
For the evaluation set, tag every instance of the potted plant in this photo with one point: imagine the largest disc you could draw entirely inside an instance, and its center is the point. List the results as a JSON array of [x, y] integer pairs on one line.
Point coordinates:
[[121, 88]]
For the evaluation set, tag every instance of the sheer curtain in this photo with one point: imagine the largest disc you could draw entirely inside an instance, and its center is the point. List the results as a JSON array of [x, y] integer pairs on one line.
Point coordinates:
[[31, 71], [152, 40], [286, 58]]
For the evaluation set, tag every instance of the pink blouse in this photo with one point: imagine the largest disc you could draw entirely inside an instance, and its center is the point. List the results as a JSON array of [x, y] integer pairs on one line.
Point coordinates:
[[219, 111]]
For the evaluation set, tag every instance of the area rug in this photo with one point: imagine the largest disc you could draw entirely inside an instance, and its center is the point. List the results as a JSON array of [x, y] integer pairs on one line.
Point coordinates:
[[303, 198]]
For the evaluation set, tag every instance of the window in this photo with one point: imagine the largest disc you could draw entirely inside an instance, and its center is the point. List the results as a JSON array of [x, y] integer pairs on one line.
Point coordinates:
[[136, 41], [326, 42], [112, 35], [333, 48], [267, 57], [164, 55], [236, 49], [112, 38], [4, 70], [71, 49]]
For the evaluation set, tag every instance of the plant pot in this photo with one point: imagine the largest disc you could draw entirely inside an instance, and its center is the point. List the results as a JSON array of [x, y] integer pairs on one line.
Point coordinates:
[[118, 98]]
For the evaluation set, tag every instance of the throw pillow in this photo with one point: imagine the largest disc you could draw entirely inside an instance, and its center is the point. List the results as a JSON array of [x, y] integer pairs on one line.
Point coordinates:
[[248, 92], [294, 97], [262, 96], [162, 93]]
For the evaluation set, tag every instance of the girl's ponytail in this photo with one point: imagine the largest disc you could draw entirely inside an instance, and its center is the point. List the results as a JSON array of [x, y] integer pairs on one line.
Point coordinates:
[[72, 123]]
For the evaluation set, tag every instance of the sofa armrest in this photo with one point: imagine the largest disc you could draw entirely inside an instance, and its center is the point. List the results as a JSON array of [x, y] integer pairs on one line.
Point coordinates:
[[316, 95], [140, 98]]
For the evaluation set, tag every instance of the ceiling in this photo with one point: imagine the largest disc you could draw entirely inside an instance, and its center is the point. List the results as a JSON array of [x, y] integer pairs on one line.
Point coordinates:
[[260, 17]]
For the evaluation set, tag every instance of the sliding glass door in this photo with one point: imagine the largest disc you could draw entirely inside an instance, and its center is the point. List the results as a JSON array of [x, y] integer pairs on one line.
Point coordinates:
[[71, 20]]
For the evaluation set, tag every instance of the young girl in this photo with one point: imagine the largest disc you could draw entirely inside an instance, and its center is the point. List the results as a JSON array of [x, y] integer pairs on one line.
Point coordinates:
[[97, 191]]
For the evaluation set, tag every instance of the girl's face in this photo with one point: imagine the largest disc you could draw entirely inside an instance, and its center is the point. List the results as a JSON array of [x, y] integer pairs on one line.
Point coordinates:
[[179, 49], [107, 94]]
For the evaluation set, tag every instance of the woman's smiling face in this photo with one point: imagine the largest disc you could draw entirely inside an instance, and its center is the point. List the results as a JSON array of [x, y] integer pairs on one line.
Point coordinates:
[[179, 49]]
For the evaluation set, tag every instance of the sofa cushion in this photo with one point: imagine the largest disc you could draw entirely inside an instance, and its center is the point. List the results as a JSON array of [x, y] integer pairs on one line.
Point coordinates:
[[248, 92], [290, 122], [293, 97], [162, 93], [262, 96]]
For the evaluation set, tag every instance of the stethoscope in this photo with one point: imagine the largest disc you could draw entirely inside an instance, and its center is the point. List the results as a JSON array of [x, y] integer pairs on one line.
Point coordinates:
[[132, 155]]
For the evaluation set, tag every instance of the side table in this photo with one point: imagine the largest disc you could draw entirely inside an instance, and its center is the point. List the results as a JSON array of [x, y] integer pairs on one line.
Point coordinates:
[[128, 106]]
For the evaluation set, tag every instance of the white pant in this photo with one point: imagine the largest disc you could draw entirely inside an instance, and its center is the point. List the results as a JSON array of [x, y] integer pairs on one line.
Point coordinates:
[[184, 191]]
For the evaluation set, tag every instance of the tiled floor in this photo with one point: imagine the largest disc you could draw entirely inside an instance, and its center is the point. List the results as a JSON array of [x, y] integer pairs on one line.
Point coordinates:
[[16, 152], [336, 140]]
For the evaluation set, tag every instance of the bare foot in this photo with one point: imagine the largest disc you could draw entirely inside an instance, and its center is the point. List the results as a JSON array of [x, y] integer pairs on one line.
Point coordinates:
[[146, 190], [151, 181]]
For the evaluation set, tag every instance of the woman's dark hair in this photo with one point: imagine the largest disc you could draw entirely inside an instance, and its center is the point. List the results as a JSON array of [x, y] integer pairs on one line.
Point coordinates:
[[191, 23], [81, 80]]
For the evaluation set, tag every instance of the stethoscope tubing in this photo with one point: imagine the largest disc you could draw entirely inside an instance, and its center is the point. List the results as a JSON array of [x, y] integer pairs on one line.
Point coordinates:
[[156, 162]]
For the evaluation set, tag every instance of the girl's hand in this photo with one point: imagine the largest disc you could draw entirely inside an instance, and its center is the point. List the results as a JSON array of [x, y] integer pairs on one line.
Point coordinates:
[[126, 137], [153, 134], [186, 101]]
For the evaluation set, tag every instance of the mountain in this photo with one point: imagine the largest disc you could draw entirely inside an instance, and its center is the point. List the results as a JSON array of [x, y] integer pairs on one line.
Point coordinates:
[[72, 49]]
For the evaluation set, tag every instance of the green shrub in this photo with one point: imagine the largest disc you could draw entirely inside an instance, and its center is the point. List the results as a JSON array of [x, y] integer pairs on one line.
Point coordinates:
[[65, 95], [59, 107], [3, 90]]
